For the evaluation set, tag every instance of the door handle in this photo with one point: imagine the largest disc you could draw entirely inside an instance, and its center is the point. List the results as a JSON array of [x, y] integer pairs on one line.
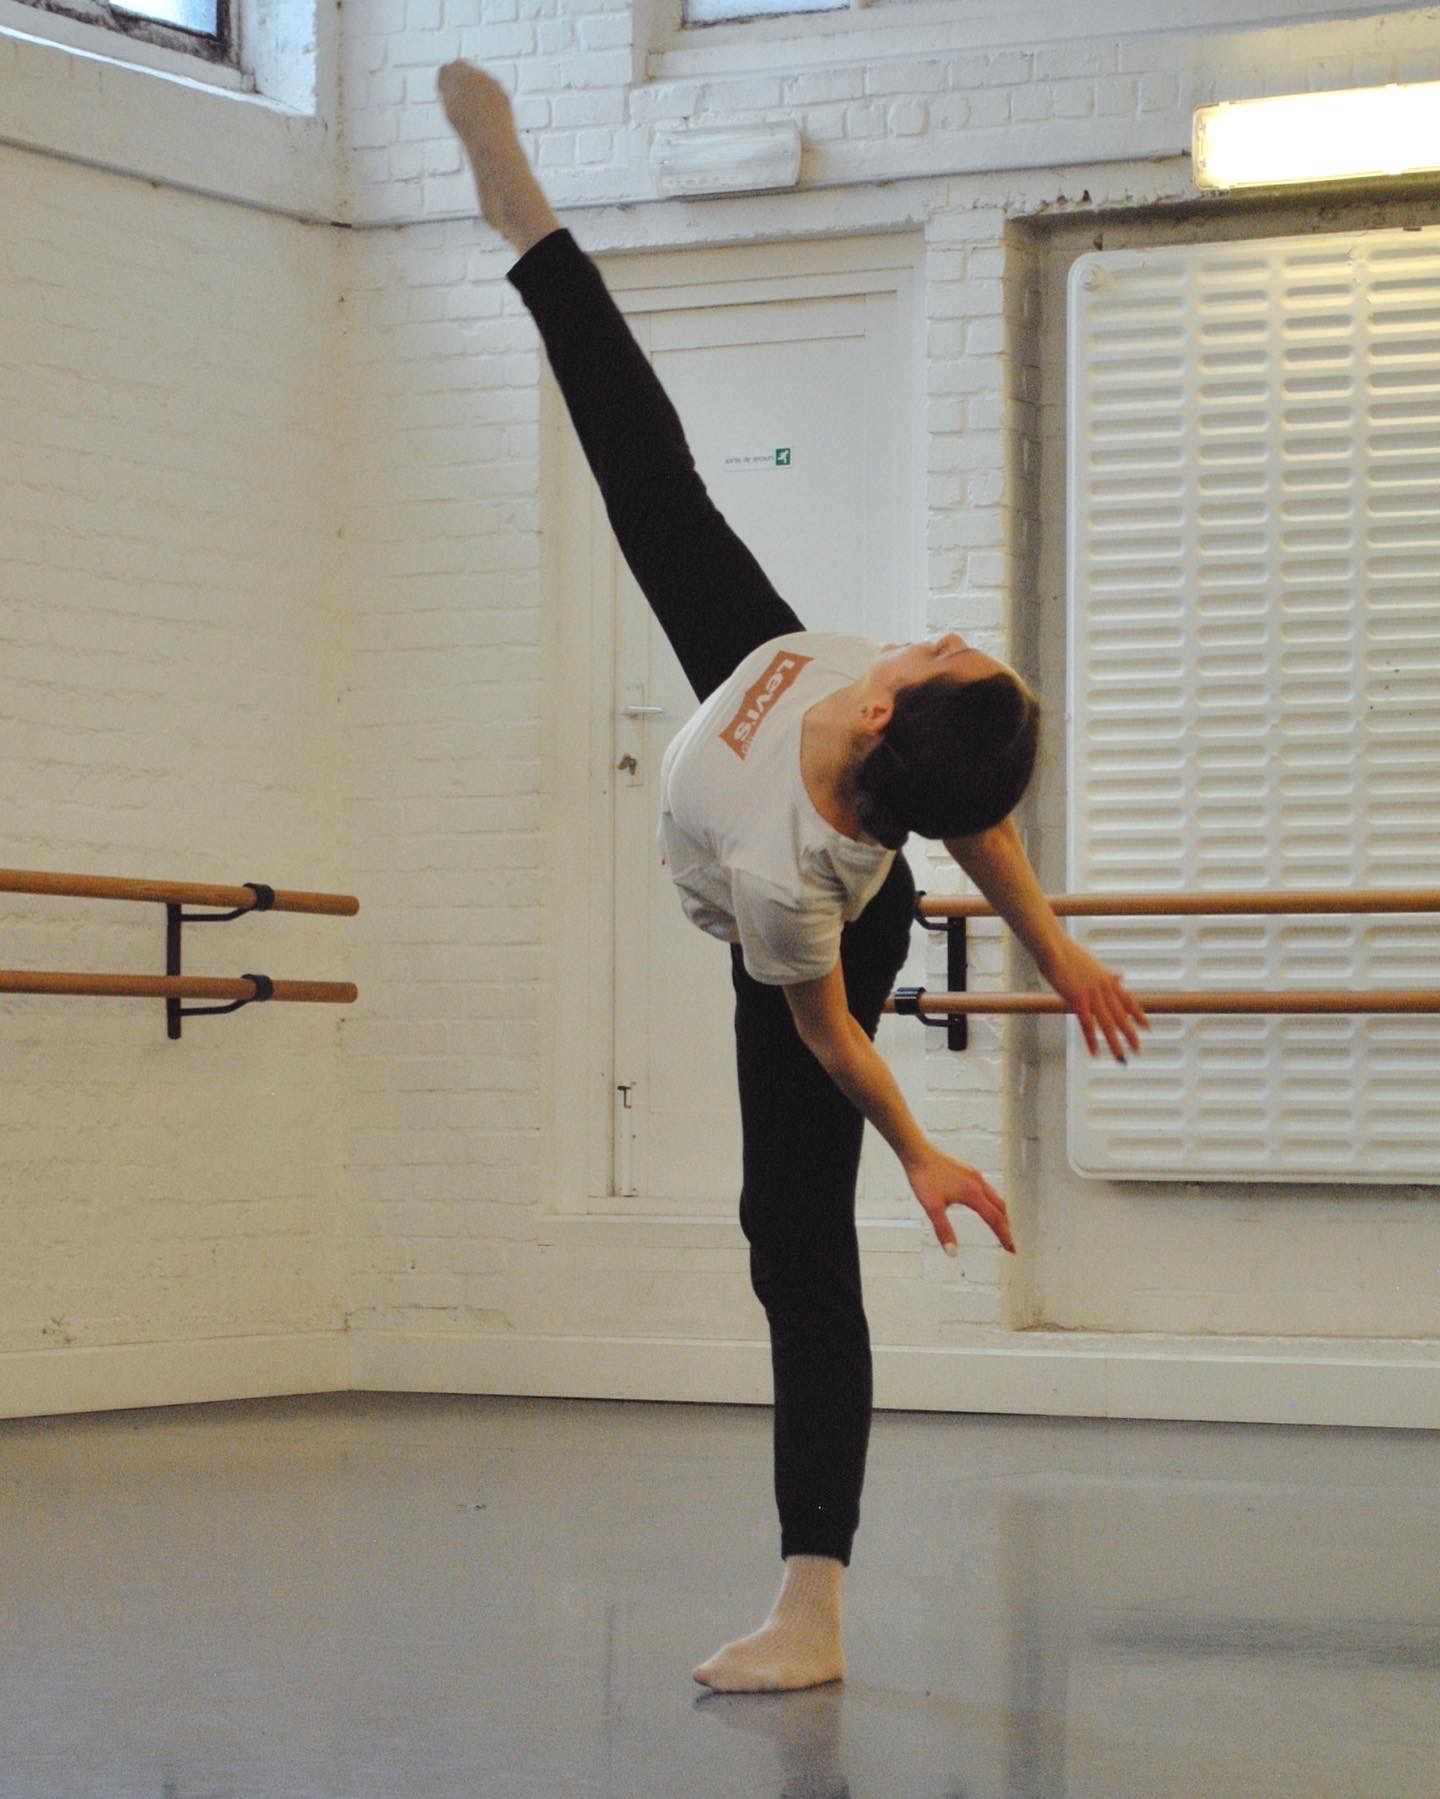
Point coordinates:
[[643, 712]]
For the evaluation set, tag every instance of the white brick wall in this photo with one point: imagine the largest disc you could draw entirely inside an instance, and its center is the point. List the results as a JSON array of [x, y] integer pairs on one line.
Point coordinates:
[[167, 709], [867, 114], [442, 708], [195, 341], [937, 115]]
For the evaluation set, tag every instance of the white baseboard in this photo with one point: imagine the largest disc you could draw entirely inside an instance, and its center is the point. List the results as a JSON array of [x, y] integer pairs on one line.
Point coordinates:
[[36, 1384], [1067, 1374], [1073, 1374]]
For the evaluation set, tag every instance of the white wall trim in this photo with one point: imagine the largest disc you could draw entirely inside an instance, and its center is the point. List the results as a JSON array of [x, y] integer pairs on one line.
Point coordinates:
[[183, 126], [1060, 1374], [1036, 1373], [38, 1383], [98, 43], [927, 28]]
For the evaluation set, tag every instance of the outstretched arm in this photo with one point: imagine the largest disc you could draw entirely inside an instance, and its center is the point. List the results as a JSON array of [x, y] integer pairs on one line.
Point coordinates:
[[996, 862], [838, 1042]]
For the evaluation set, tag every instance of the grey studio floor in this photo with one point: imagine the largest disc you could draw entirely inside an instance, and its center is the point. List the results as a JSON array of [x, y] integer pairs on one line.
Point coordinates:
[[356, 1596]]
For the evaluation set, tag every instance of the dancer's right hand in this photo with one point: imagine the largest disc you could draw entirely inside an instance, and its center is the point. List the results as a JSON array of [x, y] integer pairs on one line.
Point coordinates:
[[939, 1181]]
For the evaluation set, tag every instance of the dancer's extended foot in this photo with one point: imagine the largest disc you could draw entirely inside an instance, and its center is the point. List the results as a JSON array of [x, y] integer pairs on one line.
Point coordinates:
[[511, 199], [798, 1645]]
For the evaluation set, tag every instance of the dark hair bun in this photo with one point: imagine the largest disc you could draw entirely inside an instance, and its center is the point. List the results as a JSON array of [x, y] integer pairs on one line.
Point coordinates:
[[955, 759]]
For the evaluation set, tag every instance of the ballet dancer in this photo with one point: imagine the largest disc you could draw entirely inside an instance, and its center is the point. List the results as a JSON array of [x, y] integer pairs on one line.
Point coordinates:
[[785, 801]]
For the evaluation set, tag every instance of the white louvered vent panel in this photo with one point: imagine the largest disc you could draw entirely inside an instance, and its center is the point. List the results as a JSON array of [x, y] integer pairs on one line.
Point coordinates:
[[1255, 689]]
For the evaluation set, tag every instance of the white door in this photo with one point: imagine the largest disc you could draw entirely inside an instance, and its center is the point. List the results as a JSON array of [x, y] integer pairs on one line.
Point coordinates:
[[801, 408]]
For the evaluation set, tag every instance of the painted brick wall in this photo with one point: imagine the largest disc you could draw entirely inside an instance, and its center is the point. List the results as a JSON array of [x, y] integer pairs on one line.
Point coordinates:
[[386, 548], [442, 780], [441, 1245], [448, 610], [167, 709], [865, 112]]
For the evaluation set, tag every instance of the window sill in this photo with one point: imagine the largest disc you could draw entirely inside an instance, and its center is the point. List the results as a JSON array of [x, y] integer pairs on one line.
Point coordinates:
[[74, 38], [923, 28], [821, 40], [180, 131]]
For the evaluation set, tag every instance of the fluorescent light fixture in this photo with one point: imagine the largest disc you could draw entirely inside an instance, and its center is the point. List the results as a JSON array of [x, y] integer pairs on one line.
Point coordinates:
[[737, 159], [1319, 137]]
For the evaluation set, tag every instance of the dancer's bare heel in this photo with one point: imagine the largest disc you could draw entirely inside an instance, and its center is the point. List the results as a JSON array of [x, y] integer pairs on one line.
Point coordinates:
[[511, 199]]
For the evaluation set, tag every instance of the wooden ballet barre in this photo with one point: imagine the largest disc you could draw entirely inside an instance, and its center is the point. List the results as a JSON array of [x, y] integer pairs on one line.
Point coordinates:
[[1199, 905], [173, 986], [950, 1005], [172, 893], [159, 986], [952, 1009]]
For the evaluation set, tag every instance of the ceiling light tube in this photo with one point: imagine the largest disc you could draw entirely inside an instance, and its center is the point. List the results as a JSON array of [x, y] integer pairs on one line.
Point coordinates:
[[1343, 136]]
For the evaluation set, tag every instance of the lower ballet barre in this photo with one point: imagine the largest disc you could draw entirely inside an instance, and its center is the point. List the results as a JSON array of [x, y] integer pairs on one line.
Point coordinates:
[[950, 1011], [172, 986]]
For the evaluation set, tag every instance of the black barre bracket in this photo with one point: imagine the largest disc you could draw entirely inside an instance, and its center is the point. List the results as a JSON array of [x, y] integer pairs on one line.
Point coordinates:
[[907, 999], [176, 918]]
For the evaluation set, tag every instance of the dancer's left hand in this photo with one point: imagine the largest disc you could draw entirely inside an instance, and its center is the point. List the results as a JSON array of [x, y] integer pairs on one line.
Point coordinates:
[[1098, 998]]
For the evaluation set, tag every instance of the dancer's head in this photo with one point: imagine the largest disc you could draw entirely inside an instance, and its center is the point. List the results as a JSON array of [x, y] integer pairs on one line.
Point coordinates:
[[954, 735]]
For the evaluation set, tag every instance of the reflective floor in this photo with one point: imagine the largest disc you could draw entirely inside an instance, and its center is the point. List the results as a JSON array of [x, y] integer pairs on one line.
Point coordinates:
[[361, 1597]]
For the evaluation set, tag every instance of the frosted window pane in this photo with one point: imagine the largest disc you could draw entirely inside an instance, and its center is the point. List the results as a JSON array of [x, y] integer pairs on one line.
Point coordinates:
[[708, 12], [189, 15]]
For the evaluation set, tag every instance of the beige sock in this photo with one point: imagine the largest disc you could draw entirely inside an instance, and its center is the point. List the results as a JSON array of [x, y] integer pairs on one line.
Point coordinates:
[[798, 1645], [510, 197]]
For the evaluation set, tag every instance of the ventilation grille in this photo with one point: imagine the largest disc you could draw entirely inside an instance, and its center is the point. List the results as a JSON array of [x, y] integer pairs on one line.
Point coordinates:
[[1254, 503]]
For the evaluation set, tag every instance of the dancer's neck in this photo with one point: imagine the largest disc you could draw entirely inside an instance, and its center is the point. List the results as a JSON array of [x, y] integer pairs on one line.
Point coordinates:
[[833, 744]]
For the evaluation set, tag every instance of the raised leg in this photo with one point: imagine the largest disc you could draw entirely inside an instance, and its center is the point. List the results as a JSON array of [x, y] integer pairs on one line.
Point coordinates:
[[711, 597]]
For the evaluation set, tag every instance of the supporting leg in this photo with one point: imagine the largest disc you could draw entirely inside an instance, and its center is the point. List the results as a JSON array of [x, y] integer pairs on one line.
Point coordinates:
[[802, 1156]]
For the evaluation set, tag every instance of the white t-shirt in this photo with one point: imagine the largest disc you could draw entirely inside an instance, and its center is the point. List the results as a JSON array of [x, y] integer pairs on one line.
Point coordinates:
[[755, 863]]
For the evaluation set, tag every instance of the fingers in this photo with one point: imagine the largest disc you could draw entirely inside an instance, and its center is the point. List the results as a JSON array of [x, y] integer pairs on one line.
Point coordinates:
[[939, 1182], [989, 1206], [998, 1219], [1119, 1013], [1128, 1012], [1087, 1026], [986, 1204], [1114, 1023]]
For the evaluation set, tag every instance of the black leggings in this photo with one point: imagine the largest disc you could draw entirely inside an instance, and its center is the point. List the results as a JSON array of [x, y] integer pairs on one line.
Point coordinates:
[[801, 1135]]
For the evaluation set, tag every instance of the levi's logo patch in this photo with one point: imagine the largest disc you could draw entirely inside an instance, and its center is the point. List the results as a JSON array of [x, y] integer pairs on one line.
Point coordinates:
[[740, 732]]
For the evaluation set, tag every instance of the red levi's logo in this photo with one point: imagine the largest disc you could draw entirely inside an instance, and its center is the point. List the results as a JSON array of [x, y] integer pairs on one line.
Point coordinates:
[[740, 732]]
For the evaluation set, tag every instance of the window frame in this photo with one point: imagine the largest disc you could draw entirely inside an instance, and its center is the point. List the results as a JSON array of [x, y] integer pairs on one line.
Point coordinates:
[[789, 9], [221, 46]]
